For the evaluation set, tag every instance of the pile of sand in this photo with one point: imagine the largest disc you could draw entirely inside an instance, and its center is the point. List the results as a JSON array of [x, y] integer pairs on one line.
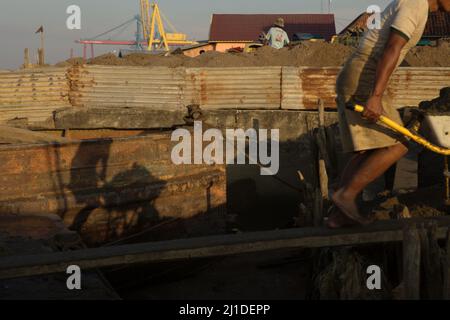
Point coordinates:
[[438, 105], [308, 54], [70, 62], [429, 56]]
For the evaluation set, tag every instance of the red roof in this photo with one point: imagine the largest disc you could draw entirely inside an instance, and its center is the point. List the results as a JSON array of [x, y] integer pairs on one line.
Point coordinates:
[[248, 27]]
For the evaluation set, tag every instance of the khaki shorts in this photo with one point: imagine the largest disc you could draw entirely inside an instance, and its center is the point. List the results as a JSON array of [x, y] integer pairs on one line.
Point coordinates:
[[357, 134]]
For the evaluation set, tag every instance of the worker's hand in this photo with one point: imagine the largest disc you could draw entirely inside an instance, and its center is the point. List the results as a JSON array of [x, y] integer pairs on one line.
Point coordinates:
[[374, 109]]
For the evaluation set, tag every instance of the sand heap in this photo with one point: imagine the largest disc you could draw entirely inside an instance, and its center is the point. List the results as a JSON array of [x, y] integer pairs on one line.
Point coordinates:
[[439, 105], [429, 56], [308, 54]]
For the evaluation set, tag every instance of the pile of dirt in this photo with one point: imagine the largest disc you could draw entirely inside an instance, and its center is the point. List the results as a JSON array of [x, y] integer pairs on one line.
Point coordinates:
[[70, 62], [314, 54], [439, 105], [421, 203], [308, 54], [429, 56]]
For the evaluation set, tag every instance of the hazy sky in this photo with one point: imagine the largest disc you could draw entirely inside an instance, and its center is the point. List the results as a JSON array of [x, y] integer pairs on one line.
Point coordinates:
[[19, 19]]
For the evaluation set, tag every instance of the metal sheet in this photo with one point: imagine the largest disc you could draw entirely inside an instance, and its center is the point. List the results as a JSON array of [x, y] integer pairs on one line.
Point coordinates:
[[410, 86], [302, 87], [117, 86], [234, 88], [33, 94]]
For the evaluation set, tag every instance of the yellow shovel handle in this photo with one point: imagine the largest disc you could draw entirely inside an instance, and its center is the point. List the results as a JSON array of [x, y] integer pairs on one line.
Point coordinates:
[[407, 133]]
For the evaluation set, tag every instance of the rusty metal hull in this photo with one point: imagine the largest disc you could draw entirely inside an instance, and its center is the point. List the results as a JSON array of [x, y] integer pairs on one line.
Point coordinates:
[[108, 188]]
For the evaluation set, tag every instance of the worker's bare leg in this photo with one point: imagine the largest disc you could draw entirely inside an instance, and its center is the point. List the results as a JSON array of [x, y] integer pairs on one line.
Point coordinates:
[[376, 164], [352, 166], [337, 219]]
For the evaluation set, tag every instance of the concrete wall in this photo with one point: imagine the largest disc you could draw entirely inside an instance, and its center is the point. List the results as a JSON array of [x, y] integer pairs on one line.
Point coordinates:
[[260, 202]]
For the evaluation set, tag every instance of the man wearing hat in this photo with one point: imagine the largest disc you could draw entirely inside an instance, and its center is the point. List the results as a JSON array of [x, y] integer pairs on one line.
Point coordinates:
[[276, 37]]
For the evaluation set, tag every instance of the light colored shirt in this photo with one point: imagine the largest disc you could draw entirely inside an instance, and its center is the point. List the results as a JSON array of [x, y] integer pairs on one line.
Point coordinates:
[[407, 17], [277, 38]]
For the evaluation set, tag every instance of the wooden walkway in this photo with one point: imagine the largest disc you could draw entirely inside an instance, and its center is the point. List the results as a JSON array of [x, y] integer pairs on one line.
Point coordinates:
[[86, 259]]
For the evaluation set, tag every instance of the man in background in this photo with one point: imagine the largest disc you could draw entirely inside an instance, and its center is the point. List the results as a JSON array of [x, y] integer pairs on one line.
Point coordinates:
[[276, 37]]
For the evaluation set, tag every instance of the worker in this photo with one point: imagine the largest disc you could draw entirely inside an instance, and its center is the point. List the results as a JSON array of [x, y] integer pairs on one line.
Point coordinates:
[[276, 37], [364, 80]]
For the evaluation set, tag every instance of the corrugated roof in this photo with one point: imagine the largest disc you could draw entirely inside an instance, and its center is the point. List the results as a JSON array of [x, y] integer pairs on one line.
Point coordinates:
[[438, 25], [248, 27]]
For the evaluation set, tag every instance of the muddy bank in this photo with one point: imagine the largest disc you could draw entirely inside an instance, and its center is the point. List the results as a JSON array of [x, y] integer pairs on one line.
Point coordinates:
[[311, 54]]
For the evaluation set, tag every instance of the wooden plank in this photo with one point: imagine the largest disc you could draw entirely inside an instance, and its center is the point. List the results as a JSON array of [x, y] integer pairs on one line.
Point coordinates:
[[432, 281], [381, 232], [446, 267], [16, 135], [433, 272], [321, 140], [411, 262]]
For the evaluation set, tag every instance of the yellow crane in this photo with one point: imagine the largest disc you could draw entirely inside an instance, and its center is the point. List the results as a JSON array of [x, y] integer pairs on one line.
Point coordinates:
[[152, 20]]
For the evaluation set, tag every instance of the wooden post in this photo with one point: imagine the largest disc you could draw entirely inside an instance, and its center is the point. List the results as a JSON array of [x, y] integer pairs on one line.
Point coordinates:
[[40, 57], [306, 209], [84, 52], [411, 262], [318, 208], [323, 176], [332, 146], [431, 263], [446, 267], [41, 52], [26, 58], [447, 181]]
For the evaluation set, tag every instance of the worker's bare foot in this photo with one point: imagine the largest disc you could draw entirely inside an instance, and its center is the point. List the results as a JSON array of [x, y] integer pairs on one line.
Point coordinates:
[[349, 208], [337, 220]]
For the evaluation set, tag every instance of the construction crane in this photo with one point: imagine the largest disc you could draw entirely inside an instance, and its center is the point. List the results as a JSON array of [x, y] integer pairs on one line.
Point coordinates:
[[153, 21], [150, 32]]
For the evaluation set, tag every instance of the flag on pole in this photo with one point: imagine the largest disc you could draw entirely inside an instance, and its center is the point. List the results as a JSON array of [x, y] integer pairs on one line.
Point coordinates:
[[40, 30]]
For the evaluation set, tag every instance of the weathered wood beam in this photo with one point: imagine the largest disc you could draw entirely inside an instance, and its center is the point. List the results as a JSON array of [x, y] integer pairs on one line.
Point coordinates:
[[411, 262], [17, 135], [446, 266], [381, 232]]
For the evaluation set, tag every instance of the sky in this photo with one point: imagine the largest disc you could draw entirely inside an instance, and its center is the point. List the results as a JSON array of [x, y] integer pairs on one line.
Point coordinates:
[[19, 19]]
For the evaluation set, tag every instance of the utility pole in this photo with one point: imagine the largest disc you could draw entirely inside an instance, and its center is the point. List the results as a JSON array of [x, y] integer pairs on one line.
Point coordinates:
[[41, 51]]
